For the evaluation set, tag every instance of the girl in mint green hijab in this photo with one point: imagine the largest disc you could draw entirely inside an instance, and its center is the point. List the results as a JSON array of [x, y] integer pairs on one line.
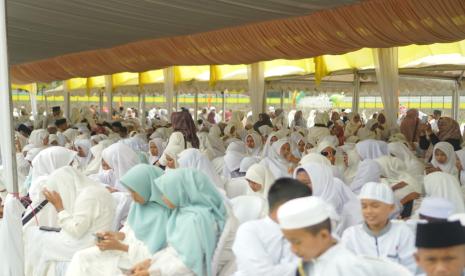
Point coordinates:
[[148, 215], [197, 219]]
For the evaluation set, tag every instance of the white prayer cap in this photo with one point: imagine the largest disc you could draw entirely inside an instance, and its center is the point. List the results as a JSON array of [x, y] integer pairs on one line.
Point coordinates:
[[377, 191], [436, 207], [302, 212]]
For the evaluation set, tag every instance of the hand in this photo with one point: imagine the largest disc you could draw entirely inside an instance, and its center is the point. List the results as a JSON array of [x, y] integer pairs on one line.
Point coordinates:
[[141, 273], [431, 169], [111, 245], [54, 198], [112, 190], [399, 185], [142, 266], [119, 236]]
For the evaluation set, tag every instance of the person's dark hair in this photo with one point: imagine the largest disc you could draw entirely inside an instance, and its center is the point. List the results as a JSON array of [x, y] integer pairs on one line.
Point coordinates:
[[60, 122], [25, 129], [437, 112], [285, 189], [317, 228]]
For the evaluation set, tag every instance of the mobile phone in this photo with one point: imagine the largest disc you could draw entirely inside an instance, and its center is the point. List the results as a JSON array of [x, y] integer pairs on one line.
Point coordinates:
[[50, 229]]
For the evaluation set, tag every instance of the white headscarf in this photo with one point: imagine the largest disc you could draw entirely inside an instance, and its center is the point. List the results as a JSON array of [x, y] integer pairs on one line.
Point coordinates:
[[85, 145], [275, 162], [235, 152], [71, 134], [46, 162], [444, 185], [371, 149], [94, 165], [37, 138], [247, 162], [176, 145], [215, 144], [256, 151], [193, 158], [159, 143], [368, 171], [120, 158], [326, 186], [52, 138], [260, 175], [450, 166], [401, 151], [295, 139]]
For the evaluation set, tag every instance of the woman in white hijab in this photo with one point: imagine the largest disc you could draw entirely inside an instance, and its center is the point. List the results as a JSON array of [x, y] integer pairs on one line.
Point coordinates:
[[444, 159], [46, 162], [260, 180], [444, 185], [83, 208], [367, 171], [461, 165], [320, 159], [297, 144], [320, 129], [94, 165], [117, 160], [39, 138], [176, 144], [273, 137], [235, 152], [254, 144], [371, 149], [415, 167], [230, 134], [279, 121], [277, 160], [324, 185], [84, 155], [156, 149], [394, 173], [70, 135], [215, 144], [193, 158]]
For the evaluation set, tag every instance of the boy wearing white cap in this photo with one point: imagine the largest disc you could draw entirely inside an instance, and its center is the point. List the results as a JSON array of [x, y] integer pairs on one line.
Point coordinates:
[[260, 247], [378, 236], [306, 224]]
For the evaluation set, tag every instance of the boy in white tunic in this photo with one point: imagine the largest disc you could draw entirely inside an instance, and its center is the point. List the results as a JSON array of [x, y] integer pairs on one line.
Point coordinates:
[[306, 224], [378, 236], [260, 247]]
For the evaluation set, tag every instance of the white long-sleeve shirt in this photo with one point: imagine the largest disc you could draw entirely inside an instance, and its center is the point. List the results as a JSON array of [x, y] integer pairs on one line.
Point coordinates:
[[395, 242], [261, 249]]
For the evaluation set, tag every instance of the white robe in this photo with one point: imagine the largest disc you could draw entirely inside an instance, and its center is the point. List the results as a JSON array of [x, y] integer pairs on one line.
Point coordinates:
[[93, 261], [338, 261], [261, 249], [93, 212], [395, 242]]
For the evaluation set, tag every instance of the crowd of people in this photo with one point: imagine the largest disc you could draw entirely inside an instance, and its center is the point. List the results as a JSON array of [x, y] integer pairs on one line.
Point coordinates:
[[331, 194]]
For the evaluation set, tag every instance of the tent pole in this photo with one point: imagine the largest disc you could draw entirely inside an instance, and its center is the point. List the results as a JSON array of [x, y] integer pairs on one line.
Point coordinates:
[[100, 103], [33, 98], [109, 92], [196, 106], [142, 107], [455, 101], [356, 94], [7, 141], [67, 102], [223, 107], [281, 100]]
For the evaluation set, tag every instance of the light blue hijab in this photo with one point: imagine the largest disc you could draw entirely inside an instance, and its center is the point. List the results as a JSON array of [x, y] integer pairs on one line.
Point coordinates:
[[148, 221], [198, 219]]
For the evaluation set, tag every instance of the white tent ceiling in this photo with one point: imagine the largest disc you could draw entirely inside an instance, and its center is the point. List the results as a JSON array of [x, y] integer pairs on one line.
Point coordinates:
[[40, 29]]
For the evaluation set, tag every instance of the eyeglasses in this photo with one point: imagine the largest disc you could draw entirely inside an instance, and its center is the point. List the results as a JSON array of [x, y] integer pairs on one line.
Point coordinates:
[[326, 153]]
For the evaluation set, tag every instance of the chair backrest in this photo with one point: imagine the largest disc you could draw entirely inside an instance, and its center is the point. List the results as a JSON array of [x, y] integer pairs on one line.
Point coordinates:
[[248, 207], [236, 187]]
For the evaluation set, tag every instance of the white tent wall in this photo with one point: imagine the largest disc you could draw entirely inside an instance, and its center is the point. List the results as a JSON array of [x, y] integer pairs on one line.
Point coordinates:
[[168, 74], [387, 73], [256, 78]]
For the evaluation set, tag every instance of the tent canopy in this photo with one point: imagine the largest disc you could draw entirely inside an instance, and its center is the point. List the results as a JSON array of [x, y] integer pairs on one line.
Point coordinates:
[[335, 28]]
